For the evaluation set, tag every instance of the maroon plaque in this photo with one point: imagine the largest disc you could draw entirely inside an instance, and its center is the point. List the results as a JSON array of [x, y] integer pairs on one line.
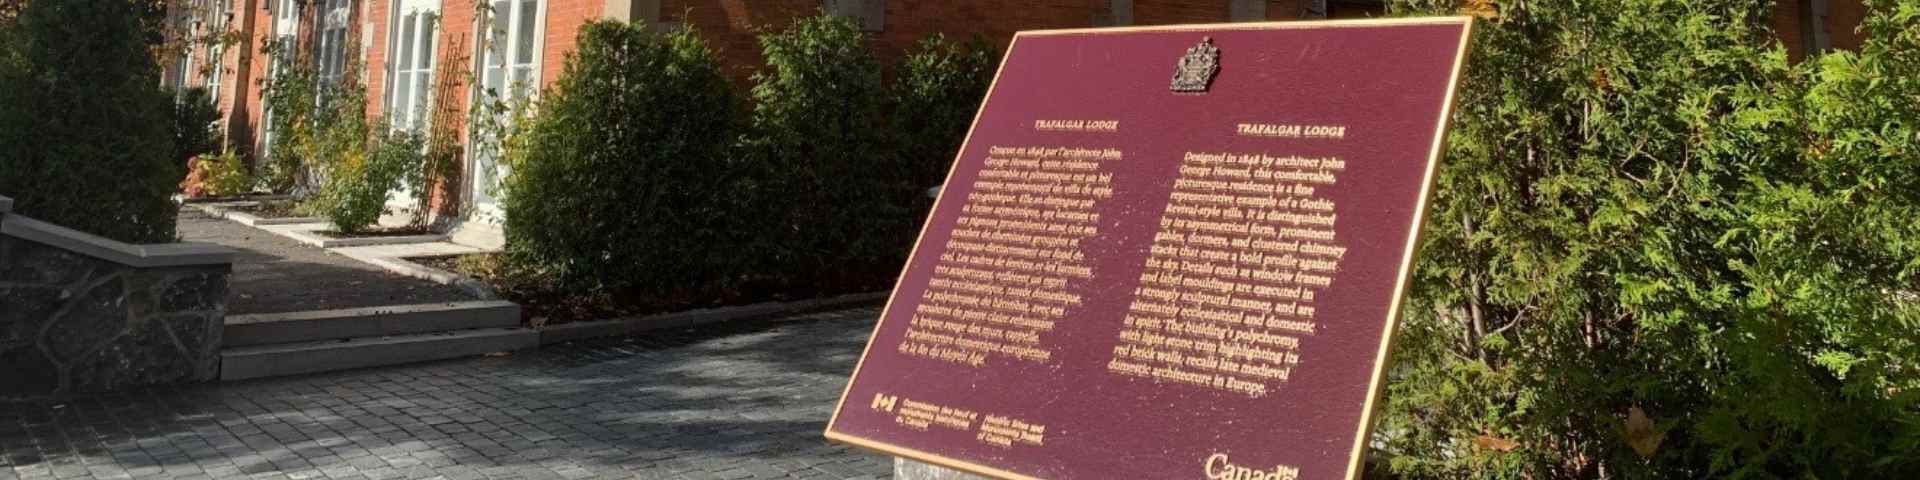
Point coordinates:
[[1166, 252]]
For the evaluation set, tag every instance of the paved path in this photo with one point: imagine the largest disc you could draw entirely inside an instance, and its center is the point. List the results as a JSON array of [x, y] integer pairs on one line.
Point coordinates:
[[718, 402], [275, 274]]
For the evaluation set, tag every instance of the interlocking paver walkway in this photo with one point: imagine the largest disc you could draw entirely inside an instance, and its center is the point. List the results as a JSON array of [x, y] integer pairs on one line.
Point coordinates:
[[718, 402], [273, 274]]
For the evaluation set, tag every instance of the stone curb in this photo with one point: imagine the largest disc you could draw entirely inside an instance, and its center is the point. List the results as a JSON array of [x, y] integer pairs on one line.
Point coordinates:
[[303, 229], [621, 327], [223, 210], [241, 363], [138, 256], [402, 266], [311, 237], [316, 325], [236, 199], [252, 220]]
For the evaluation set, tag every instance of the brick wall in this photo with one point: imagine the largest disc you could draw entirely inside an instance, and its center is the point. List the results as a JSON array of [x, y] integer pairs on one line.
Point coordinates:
[[908, 22], [375, 20], [564, 18], [731, 26], [1841, 24], [1170, 12]]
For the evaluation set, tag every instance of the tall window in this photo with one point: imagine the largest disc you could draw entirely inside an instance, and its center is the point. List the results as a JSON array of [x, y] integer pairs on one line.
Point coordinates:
[[509, 74], [410, 51], [331, 54], [286, 21], [183, 22], [216, 56]]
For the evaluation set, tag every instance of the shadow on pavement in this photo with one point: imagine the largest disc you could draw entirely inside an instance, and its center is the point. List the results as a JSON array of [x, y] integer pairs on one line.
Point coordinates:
[[745, 400]]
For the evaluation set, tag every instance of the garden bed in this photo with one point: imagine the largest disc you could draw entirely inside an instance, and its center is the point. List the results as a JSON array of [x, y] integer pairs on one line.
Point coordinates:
[[251, 197], [270, 209], [543, 305], [325, 236], [257, 213], [380, 232]]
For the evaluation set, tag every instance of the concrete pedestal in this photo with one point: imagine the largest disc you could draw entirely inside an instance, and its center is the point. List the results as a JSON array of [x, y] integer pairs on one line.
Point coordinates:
[[904, 469]]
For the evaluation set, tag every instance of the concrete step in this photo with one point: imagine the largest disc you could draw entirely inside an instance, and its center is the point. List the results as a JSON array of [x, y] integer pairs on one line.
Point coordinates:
[[240, 363], [276, 328]]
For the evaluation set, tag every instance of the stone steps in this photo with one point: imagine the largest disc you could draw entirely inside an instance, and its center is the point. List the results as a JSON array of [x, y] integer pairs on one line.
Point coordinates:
[[267, 345], [270, 328], [240, 363]]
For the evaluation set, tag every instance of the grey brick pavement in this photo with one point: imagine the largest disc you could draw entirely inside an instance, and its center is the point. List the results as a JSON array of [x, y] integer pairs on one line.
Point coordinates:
[[273, 274], [719, 402]]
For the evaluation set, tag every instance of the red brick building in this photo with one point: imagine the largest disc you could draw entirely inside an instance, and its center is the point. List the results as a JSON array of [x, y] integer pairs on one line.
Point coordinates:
[[396, 47]]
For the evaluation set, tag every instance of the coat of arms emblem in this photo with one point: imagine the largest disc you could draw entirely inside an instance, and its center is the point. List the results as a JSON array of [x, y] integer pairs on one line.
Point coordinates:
[[1196, 70]]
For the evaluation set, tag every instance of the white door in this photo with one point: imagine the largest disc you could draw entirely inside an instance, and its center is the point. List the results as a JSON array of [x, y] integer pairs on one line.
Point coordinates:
[[510, 75]]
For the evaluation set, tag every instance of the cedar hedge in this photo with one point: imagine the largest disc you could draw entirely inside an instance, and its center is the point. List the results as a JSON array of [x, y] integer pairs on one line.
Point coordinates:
[[86, 134], [639, 177], [619, 180]]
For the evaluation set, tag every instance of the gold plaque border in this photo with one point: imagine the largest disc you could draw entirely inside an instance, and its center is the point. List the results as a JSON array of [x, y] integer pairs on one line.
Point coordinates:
[[1357, 454]]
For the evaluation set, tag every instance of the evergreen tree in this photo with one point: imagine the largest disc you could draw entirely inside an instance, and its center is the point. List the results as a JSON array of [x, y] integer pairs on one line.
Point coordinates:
[[820, 164], [85, 132]]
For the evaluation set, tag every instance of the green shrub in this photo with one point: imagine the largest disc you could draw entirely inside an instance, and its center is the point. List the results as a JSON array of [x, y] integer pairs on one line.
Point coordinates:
[[824, 193], [195, 127], [325, 152], [289, 95], [85, 132], [228, 175], [616, 182], [337, 129], [938, 92], [355, 192], [217, 176], [1657, 249]]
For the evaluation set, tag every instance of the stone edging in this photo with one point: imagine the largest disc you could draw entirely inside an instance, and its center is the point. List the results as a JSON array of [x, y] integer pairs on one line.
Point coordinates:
[[314, 238], [223, 210], [621, 327], [138, 256], [6, 204], [408, 268], [236, 199]]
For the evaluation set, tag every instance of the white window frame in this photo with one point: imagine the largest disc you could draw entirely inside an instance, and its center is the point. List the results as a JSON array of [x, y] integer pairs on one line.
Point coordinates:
[[181, 78], [286, 23], [518, 64], [330, 54], [217, 52], [495, 72], [413, 27]]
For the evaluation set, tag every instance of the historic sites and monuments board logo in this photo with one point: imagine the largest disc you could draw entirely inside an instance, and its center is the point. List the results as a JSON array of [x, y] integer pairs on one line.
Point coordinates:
[[1126, 280]]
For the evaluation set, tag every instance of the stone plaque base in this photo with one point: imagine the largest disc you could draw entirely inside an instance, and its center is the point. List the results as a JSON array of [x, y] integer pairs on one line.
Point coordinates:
[[904, 469]]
